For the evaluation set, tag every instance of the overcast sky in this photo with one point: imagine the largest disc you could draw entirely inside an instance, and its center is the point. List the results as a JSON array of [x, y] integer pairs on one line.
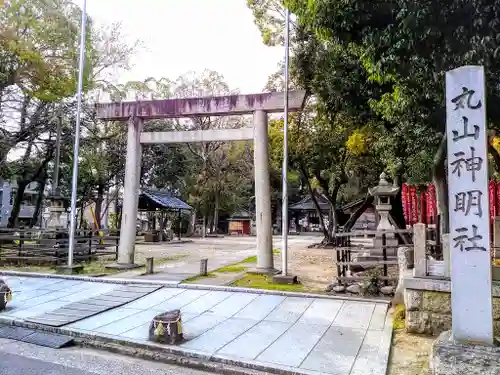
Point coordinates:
[[192, 35]]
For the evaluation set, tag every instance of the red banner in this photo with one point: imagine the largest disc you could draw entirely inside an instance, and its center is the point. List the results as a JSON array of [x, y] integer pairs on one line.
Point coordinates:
[[414, 205], [497, 200], [492, 197], [431, 204], [406, 203]]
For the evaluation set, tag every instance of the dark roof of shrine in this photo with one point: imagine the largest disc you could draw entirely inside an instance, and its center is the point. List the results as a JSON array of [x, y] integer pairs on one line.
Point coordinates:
[[157, 199]]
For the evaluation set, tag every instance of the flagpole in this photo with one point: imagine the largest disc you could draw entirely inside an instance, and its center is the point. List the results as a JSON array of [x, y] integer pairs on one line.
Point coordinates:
[[74, 185], [284, 206]]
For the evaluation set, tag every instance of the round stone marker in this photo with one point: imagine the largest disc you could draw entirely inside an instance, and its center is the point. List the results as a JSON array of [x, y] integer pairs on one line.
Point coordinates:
[[166, 328], [5, 295]]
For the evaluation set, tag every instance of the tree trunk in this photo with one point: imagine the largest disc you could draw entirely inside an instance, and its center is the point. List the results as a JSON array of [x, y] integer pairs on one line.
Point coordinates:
[[439, 179], [16, 205], [216, 214], [98, 205], [333, 208], [357, 214], [327, 238], [82, 212], [24, 180], [38, 206], [332, 199], [192, 224]]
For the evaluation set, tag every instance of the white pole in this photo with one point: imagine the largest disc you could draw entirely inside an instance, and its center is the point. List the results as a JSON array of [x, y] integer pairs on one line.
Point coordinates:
[[74, 185], [284, 220]]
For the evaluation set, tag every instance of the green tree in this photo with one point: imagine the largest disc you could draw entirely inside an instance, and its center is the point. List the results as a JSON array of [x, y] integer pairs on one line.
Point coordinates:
[[214, 177], [406, 47]]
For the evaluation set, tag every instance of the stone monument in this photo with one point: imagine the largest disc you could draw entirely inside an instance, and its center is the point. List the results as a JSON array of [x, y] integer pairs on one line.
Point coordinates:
[[56, 208], [382, 194], [469, 347]]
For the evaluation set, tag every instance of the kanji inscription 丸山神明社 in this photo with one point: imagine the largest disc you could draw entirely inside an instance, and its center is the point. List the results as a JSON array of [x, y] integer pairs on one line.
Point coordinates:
[[468, 163], [468, 205]]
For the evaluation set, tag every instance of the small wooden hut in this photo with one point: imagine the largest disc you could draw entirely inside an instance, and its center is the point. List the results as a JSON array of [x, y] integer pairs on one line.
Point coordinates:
[[240, 223]]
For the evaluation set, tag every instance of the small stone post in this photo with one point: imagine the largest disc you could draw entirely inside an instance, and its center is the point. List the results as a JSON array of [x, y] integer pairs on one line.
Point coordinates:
[[419, 245], [149, 266], [204, 267]]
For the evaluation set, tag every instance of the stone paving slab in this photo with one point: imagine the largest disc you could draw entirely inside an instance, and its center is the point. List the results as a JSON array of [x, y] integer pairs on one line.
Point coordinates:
[[58, 302], [86, 308], [288, 333]]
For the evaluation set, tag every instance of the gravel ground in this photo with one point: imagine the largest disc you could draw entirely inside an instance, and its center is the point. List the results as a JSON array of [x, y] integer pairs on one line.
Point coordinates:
[[409, 354]]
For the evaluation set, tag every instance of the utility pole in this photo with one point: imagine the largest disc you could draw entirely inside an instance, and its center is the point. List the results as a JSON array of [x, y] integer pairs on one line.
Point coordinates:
[[74, 186]]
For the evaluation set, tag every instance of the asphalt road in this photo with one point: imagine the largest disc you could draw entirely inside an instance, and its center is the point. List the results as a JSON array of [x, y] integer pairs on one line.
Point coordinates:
[[11, 364], [25, 359]]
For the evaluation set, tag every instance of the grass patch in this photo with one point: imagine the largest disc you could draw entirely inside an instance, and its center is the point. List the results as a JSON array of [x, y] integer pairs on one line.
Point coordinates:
[[193, 279], [250, 260], [96, 267], [235, 268], [92, 268], [254, 258], [398, 317], [266, 282], [33, 268]]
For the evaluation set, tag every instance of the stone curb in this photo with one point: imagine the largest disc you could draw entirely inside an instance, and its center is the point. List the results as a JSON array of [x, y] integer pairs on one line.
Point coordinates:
[[171, 284], [164, 353]]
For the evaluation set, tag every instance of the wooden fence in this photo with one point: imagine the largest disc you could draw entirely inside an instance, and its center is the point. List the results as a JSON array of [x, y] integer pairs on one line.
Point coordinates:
[[381, 256], [49, 247]]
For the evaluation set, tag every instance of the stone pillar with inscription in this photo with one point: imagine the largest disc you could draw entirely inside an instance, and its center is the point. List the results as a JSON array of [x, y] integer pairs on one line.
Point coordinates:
[[469, 238], [468, 205]]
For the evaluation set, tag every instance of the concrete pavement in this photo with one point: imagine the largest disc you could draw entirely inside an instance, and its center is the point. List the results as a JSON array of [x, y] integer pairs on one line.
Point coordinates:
[[266, 331], [17, 358]]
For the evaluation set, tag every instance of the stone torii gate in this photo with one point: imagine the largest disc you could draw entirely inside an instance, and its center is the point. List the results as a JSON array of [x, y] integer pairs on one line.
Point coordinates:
[[139, 111]]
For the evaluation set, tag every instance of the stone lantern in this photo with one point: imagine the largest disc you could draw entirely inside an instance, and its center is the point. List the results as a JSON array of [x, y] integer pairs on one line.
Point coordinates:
[[56, 208], [383, 193]]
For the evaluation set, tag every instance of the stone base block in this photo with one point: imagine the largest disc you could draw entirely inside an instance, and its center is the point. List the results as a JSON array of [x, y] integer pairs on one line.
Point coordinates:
[[70, 270], [285, 279], [123, 266], [452, 358]]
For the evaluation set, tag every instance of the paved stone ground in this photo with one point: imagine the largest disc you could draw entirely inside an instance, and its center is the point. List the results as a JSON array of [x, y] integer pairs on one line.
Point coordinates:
[[220, 252], [308, 335]]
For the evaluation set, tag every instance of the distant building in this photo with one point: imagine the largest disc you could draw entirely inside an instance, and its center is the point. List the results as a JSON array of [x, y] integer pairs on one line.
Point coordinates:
[[28, 206], [240, 223]]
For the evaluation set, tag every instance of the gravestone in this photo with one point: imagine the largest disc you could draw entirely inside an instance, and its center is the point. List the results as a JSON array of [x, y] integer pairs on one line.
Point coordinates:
[[471, 294]]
